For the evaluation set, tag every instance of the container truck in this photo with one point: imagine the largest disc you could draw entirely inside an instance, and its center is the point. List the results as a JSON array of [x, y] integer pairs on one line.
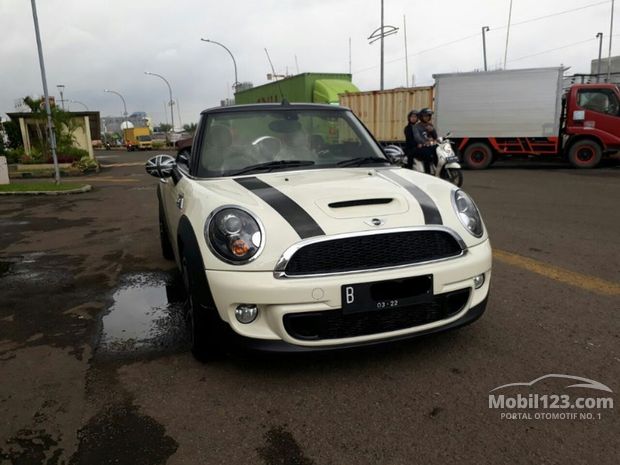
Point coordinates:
[[384, 112], [527, 112], [301, 88], [138, 139], [305, 87]]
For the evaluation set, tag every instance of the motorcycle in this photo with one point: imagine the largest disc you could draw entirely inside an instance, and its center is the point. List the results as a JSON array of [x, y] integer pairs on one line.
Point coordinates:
[[447, 167]]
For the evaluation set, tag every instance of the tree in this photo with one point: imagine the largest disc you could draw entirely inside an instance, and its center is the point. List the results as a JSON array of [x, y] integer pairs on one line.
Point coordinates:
[[164, 127], [191, 128]]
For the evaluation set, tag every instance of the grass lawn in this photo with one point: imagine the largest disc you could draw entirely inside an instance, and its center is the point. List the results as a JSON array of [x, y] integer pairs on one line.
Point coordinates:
[[39, 186]]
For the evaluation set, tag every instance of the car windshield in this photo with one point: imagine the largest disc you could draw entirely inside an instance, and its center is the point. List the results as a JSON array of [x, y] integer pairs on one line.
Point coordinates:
[[255, 141], [144, 138]]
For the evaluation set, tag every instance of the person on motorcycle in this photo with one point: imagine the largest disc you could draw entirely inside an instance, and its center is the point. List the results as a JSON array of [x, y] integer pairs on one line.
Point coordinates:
[[410, 143], [425, 137]]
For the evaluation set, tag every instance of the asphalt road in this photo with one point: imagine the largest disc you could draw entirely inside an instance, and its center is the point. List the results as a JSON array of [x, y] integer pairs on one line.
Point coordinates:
[[95, 368]]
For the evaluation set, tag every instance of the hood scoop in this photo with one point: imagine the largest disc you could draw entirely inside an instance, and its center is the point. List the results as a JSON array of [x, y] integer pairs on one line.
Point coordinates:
[[359, 203], [347, 206]]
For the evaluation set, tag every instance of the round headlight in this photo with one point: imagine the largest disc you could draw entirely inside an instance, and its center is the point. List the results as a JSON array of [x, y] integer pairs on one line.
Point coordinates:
[[468, 213], [234, 235]]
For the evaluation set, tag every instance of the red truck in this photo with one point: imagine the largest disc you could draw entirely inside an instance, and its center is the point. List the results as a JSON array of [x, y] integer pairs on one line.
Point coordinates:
[[527, 112]]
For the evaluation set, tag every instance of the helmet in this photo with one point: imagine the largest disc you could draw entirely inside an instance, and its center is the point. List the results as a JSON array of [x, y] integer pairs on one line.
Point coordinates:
[[411, 113], [425, 112]]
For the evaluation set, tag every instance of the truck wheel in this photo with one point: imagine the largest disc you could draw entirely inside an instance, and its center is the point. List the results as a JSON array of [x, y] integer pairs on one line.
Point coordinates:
[[478, 156], [585, 154]]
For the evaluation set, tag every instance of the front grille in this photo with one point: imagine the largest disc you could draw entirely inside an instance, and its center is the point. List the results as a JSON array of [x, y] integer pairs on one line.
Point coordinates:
[[333, 324], [374, 251]]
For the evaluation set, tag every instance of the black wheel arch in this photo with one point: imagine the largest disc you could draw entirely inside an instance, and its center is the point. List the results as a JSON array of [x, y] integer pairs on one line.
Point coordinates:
[[187, 244]]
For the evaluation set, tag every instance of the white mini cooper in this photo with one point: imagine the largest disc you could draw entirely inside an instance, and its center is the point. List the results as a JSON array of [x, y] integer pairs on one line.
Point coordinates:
[[293, 231]]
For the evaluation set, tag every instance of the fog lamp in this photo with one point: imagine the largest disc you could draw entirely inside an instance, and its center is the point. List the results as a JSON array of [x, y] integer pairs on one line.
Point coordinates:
[[246, 313], [478, 281]]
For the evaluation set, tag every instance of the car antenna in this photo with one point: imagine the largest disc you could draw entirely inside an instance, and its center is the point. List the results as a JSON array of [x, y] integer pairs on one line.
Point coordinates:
[[273, 70]]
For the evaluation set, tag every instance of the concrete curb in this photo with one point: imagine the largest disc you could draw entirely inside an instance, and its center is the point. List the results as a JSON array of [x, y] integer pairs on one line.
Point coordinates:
[[81, 190]]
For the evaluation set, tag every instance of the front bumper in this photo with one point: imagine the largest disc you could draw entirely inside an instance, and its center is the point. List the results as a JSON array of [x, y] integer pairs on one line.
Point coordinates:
[[278, 297]]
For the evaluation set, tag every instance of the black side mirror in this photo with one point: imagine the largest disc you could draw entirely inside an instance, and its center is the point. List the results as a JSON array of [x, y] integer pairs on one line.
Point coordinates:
[[160, 166]]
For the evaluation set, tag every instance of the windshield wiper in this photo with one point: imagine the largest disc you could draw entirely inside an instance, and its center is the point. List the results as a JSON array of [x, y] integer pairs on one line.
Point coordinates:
[[272, 165], [362, 161]]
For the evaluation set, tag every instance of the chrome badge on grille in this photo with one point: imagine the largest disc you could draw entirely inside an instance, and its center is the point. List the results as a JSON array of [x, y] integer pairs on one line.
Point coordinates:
[[375, 222]]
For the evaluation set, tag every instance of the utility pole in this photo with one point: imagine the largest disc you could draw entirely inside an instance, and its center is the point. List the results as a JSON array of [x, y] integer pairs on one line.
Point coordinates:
[[599, 36], [48, 110], [611, 34], [379, 34], [61, 88], [484, 45], [507, 34], [349, 55], [406, 52], [382, 52]]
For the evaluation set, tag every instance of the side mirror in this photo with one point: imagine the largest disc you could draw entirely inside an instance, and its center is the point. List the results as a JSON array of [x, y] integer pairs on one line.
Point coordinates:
[[183, 158], [160, 166]]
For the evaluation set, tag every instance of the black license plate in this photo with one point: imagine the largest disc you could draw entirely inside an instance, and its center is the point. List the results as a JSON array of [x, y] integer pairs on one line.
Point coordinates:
[[384, 295]]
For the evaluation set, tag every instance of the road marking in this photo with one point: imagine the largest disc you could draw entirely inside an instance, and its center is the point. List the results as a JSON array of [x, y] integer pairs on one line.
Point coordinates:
[[121, 165], [584, 281]]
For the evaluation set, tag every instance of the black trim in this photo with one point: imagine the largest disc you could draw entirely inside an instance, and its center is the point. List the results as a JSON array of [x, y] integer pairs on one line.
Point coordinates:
[[267, 345], [360, 202], [296, 216], [429, 208]]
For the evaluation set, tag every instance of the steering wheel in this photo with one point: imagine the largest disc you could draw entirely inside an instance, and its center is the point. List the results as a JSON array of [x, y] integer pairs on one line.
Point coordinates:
[[267, 147]]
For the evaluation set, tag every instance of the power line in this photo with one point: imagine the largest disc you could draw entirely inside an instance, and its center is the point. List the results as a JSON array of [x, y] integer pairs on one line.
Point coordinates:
[[471, 36], [551, 15], [557, 48]]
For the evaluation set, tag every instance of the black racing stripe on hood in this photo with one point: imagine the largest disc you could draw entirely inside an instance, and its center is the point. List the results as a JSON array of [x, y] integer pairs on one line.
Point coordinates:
[[296, 216], [429, 208]]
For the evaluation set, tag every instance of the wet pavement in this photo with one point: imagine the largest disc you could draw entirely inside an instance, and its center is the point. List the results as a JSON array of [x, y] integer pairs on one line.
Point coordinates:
[[95, 367], [147, 315]]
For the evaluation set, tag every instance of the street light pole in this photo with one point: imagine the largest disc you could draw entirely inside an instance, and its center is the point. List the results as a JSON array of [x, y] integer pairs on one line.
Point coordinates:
[[124, 106], [484, 45], [169, 92], [599, 36], [236, 84], [79, 103], [48, 110]]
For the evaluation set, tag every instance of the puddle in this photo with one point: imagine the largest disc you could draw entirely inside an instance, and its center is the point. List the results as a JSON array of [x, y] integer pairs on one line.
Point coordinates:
[[28, 268], [5, 268], [147, 314]]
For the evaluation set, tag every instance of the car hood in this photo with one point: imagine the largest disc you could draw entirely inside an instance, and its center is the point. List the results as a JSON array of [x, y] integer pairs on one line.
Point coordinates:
[[334, 201]]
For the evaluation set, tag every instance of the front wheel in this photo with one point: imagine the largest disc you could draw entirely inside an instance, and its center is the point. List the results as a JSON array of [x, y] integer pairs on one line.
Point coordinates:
[[454, 175], [585, 154], [203, 322]]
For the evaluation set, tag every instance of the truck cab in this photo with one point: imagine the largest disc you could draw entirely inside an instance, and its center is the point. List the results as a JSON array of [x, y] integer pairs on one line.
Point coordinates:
[[592, 123]]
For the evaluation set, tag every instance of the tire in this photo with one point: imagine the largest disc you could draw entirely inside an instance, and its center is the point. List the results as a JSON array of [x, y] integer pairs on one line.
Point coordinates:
[[585, 154], [164, 237], [478, 156], [206, 329], [455, 176]]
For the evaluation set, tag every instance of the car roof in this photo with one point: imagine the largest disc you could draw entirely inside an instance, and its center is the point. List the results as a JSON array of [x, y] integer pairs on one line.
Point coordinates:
[[274, 107]]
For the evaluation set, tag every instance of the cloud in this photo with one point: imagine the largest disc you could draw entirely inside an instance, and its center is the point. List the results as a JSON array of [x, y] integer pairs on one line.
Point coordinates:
[[101, 44]]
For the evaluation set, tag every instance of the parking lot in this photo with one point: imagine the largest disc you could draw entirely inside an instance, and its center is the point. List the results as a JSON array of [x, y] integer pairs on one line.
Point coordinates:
[[95, 367]]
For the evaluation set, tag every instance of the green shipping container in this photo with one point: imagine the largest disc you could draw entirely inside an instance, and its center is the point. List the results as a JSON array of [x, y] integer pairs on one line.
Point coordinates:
[[302, 88]]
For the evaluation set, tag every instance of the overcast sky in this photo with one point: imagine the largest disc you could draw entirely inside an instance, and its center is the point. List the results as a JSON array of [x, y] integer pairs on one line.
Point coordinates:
[[96, 44]]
